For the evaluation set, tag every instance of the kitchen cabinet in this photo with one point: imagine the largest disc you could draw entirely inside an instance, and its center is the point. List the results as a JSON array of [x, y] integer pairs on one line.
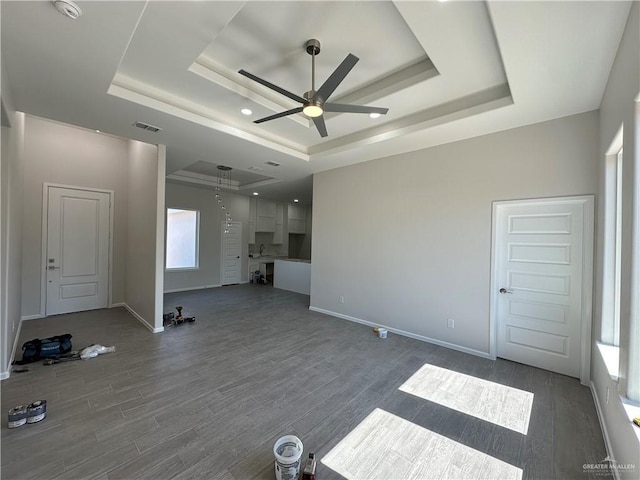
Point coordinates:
[[278, 235], [296, 219], [265, 216], [252, 220], [266, 269], [253, 266]]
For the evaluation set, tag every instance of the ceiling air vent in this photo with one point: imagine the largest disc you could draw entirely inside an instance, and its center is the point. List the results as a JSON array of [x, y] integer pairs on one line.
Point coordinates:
[[255, 169], [273, 164], [146, 126]]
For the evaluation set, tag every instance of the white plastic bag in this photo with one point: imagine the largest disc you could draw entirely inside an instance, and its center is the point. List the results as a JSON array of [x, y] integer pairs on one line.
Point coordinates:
[[94, 350]]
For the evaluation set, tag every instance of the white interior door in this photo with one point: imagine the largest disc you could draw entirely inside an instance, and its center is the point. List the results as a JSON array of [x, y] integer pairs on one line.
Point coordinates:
[[231, 253], [77, 262], [541, 256]]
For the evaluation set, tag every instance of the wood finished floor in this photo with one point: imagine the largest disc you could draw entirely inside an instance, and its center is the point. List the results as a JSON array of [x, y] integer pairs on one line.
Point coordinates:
[[209, 399]]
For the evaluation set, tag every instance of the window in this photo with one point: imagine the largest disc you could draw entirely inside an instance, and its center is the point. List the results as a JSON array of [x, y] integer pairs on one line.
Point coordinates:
[[612, 250], [182, 238]]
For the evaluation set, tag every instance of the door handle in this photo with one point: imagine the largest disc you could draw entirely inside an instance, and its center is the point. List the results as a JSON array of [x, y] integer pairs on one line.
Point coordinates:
[[504, 290], [238, 256], [51, 267]]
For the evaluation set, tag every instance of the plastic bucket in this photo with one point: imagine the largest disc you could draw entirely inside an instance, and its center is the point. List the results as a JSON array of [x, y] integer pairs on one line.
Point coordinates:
[[382, 332], [288, 451]]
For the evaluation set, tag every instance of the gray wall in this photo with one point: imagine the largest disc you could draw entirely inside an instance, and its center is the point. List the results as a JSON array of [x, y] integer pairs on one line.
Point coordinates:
[[211, 216], [407, 239], [619, 106], [65, 155], [145, 231], [11, 177]]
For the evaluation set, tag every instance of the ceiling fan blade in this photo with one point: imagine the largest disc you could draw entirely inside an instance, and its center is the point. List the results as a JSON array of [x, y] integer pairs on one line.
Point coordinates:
[[327, 88], [278, 115], [320, 125], [270, 85], [341, 107]]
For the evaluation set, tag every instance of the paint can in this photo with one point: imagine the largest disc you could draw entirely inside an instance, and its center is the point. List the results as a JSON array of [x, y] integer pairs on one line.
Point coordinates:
[[37, 411], [288, 451], [382, 332], [17, 416]]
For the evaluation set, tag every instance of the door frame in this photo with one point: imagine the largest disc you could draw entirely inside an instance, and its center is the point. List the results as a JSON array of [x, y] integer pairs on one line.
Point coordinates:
[[45, 232], [222, 227], [588, 234]]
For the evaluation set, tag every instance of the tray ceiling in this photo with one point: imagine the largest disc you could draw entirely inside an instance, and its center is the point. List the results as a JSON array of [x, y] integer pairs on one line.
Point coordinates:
[[447, 71]]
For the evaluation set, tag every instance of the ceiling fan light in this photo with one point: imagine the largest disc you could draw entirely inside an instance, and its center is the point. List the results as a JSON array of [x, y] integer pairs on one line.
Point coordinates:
[[312, 110]]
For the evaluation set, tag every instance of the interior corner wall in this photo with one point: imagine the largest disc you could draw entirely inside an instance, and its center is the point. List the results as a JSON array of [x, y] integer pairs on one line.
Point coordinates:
[[618, 107], [208, 273], [11, 179], [406, 240], [145, 183], [62, 154], [306, 241]]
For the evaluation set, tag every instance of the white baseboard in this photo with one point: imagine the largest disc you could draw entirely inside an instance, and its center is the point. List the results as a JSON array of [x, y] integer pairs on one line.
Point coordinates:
[[32, 317], [7, 374], [603, 427], [116, 305], [150, 327], [175, 290], [187, 289], [422, 338]]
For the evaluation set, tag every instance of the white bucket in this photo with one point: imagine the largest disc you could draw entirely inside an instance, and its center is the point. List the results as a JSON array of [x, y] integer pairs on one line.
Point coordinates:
[[382, 332], [288, 450]]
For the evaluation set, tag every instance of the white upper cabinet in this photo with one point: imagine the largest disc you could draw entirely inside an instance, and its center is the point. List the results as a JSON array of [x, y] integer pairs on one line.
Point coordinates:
[[266, 216], [252, 220], [278, 235], [297, 218]]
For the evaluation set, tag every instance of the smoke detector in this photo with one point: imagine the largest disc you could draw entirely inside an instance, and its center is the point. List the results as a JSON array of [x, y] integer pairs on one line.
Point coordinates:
[[67, 8]]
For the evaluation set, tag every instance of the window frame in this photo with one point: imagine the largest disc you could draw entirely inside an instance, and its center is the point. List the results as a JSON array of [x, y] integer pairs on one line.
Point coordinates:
[[612, 251]]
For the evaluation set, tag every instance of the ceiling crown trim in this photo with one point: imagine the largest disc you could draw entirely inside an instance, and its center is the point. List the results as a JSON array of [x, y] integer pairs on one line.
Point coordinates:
[[142, 94]]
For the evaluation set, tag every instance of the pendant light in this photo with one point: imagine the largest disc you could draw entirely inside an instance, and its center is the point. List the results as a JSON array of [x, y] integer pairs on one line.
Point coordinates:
[[224, 182]]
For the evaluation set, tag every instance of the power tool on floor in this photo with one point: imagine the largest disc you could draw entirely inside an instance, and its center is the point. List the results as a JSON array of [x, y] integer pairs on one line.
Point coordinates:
[[170, 319], [309, 471]]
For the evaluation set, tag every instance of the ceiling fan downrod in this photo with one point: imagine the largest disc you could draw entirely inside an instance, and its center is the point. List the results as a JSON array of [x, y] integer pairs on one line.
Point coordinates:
[[313, 48]]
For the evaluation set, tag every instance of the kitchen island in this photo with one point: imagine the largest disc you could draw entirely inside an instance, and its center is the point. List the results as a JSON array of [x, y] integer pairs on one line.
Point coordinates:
[[293, 275]]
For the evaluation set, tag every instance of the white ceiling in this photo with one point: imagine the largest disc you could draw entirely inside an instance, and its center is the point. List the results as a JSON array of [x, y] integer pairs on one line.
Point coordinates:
[[446, 71]]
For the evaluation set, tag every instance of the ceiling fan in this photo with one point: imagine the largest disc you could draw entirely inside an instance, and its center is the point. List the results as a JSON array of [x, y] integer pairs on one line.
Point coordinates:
[[314, 103]]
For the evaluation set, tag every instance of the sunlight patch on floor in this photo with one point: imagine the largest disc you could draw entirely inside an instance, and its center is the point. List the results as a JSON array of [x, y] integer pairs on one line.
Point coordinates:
[[384, 446], [505, 406]]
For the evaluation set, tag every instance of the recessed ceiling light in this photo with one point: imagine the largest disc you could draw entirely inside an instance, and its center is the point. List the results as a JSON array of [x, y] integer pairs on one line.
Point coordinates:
[[246, 111], [295, 200], [97, 131], [67, 8], [374, 115], [256, 193]]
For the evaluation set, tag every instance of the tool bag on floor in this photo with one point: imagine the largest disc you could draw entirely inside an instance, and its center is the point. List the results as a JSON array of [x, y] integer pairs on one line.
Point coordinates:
[[37, 349]]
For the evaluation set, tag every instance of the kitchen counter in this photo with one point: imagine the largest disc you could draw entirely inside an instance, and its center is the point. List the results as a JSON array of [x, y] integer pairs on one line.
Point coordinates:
[[293, 275]]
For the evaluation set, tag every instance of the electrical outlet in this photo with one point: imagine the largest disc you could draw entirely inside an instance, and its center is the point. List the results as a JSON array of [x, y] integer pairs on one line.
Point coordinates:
[[13, 326], [341, 299], [451, 323], [607, 397]]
